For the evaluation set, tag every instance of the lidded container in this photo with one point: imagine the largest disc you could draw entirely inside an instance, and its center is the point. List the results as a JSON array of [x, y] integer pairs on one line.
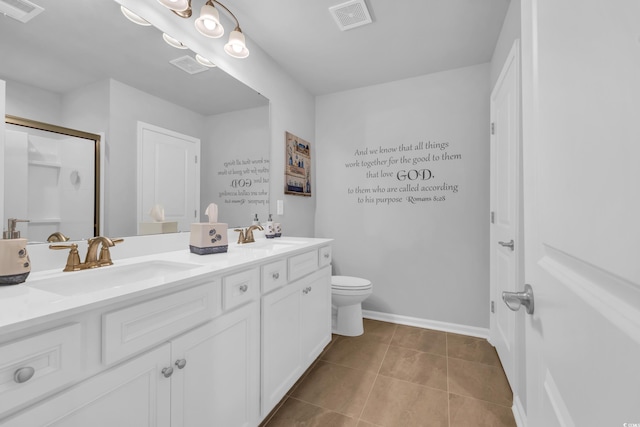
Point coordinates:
[[15, 264]]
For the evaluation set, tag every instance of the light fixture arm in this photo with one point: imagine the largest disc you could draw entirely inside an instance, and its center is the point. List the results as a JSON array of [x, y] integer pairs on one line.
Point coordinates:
[[210, 2]]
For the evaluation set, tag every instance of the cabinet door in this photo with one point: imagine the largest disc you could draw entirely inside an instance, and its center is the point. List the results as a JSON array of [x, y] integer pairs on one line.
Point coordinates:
[[219, 382], [134, 394], [315, 315], [281, 334]]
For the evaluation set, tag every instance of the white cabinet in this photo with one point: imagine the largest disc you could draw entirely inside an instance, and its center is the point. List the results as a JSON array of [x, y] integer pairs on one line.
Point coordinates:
[[216, 377], [296, 326], [221, 349], [133, 394]]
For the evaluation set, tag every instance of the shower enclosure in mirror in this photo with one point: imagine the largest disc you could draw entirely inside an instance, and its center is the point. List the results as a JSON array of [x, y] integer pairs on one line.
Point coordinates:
[[52, 179]]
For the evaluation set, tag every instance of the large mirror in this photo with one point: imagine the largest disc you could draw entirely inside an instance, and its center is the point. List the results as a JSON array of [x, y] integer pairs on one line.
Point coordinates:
[[82, 65]]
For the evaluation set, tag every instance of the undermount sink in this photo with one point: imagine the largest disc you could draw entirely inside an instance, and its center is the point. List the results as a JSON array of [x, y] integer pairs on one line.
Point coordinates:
[[111, 277], [273, 244]]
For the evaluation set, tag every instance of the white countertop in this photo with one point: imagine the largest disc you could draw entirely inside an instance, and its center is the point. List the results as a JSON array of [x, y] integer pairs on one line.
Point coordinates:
[[31, 303]]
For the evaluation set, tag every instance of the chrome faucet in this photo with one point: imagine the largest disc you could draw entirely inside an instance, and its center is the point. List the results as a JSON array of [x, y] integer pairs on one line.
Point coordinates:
[[92, 260], [246, 236]]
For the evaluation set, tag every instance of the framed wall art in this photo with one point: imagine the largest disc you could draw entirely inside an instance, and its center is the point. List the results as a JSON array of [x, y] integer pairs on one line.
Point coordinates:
[[297, 170]]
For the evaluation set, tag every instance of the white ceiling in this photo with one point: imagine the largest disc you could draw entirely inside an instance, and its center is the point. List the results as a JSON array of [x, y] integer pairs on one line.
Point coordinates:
[[76, 42], [407, 38]]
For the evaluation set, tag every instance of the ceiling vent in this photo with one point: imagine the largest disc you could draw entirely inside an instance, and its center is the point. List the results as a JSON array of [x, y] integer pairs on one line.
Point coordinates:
[[21, 10], [189, 65], [351, 14]]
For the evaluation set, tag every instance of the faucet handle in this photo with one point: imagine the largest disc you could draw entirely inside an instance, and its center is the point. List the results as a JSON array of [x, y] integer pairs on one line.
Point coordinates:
[[73, 260], [105, 255], [240, 235]]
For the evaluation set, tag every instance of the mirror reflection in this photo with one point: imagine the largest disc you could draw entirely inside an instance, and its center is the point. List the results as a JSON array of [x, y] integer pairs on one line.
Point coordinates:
[[82, 65], [51, 178]]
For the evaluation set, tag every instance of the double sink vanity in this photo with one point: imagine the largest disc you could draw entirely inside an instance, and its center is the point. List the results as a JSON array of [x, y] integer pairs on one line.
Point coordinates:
[[169, 339]]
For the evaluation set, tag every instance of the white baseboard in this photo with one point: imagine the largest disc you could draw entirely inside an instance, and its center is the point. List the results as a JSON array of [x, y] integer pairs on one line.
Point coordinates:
[[518, 412], [428, 324]]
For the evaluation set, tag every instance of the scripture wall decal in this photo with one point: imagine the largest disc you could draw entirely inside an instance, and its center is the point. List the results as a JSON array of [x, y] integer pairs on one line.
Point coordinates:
[[413, 173], [247, 181]]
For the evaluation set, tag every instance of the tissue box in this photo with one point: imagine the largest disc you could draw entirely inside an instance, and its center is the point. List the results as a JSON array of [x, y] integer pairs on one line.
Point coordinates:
[[208, 238]]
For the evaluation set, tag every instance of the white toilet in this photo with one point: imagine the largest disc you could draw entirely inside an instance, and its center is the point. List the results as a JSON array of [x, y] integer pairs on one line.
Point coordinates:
[[347, 294]]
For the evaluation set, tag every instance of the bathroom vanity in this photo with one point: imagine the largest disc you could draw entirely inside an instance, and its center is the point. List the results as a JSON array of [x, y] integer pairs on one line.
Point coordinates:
[[171, 339]]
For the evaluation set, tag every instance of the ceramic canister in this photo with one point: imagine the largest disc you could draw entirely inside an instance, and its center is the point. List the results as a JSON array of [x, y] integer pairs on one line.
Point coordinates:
[[15, 265]]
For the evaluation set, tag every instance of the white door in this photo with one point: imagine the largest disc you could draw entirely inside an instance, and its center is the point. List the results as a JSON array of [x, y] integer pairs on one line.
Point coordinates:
[[168, 175], [506, 243], [581, 150]]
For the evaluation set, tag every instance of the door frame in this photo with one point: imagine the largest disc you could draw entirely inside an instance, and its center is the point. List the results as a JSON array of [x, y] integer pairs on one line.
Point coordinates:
[[517, 378]]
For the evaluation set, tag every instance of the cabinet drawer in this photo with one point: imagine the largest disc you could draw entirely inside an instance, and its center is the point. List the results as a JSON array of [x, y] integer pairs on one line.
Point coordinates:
[[53, 357], [274, 275], [303, 264], [129, 330], [240, 288], [325, 256]]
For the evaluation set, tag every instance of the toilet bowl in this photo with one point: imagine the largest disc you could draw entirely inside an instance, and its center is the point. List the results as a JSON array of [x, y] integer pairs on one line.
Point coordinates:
[[347, 294]]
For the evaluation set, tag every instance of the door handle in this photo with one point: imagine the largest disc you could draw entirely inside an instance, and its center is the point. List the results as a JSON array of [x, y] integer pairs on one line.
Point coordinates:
[[516, 299], [508, 244]]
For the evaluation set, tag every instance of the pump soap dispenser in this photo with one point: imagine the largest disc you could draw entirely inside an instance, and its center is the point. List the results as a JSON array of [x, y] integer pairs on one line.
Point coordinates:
[[15, 265]]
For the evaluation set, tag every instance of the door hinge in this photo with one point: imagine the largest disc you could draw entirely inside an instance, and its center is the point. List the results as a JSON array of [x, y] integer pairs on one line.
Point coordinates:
[[493, 128], [196, 160], [493, 217], [493, 306], [195, 213]]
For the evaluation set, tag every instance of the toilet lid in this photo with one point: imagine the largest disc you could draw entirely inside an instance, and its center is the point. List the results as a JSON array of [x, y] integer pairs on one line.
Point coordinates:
[[349, 282]]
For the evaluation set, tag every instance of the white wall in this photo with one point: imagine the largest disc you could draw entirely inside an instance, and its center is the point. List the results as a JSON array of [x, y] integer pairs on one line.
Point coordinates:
[[236, 154], [3, 86], [426, 259], [33, 103]]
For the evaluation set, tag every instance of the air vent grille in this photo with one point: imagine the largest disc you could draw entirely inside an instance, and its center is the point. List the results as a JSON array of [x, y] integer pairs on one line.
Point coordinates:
[[21, 10], [351, 14], [189, 65]]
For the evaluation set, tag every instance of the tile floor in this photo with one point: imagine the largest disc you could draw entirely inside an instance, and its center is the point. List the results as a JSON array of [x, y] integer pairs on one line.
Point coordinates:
[[400, 376]]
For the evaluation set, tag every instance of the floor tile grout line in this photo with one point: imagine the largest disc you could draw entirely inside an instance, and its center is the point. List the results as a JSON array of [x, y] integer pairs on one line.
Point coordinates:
[[481, 400], [377, 375]]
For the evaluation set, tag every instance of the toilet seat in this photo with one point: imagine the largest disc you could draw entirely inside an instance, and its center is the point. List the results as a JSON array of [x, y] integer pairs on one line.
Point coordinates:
[[349, 283]]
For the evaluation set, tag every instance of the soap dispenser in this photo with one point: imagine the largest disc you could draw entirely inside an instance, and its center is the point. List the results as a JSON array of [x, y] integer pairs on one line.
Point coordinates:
[[256, 221], [269, 232], [15, 265]]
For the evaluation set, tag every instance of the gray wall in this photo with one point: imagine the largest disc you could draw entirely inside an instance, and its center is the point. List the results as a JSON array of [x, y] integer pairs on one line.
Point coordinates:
[[427, 259]]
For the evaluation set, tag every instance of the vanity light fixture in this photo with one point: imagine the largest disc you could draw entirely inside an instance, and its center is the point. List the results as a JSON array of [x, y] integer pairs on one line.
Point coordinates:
[[208, 24], [173, 41], [204, 61], [133, 17]]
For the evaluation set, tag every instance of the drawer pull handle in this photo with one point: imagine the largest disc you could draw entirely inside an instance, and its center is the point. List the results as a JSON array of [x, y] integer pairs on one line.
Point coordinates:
[[326, 256], [181, 363], [306, 290], [23, 375], [276, 276], [167, 372], [243, 288]]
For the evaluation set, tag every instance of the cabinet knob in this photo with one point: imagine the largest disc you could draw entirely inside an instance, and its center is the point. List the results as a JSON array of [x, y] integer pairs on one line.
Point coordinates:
[[276, 276], [181, 363], [243, 288], [23, 375], [167, 372]]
